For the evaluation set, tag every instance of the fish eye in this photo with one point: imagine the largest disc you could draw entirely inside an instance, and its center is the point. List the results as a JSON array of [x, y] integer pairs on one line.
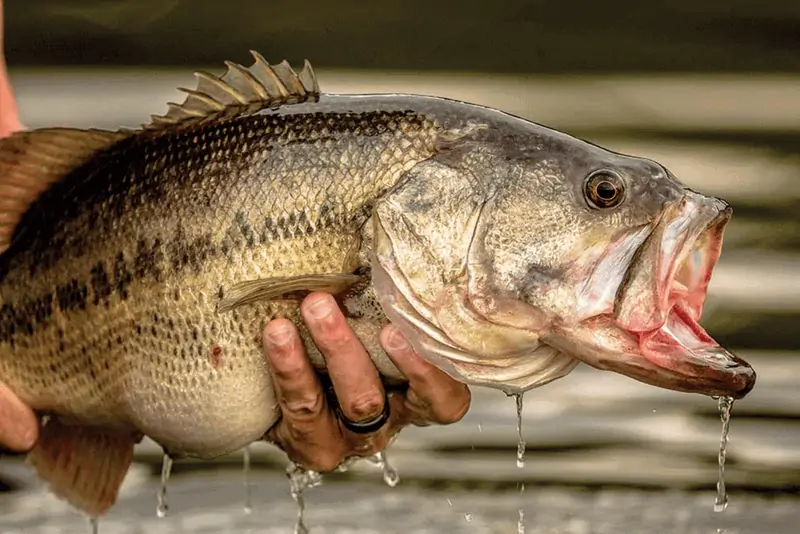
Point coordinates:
[[604, 189]]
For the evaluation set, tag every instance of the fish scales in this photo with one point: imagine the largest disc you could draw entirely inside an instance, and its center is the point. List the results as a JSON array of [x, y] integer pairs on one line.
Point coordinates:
[[109, 299], [138, 268]]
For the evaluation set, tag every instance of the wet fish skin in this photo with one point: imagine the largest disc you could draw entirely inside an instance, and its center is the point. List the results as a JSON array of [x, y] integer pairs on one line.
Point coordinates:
[[144, 264], [114, 297]]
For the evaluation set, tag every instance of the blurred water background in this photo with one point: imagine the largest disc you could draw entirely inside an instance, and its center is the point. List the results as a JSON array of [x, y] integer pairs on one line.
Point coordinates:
[[710, 89]]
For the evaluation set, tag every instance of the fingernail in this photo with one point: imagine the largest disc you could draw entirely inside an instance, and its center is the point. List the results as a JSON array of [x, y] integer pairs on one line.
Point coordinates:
[[396, 341], [280, 335], [321, 308]]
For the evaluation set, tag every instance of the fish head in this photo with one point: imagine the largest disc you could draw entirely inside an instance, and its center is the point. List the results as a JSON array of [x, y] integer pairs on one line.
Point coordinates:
[[633, 299], [508, 266]]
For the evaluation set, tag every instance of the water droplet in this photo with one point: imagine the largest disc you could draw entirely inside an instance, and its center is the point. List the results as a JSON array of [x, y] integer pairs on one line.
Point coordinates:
[[166, 469], [343, 467], [480, 427], [449, 502], [94, 524], [248, 508], [520, 459], [521, 442], [725, 405], [468, 517], [390, 475], [301, 480]]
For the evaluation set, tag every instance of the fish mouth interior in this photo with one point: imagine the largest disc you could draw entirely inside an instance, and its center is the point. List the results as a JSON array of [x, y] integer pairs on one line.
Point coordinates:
[[681, 353], [687, 290]]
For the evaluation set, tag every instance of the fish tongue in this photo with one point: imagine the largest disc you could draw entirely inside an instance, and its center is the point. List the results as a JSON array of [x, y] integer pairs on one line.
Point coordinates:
[[683, 348]]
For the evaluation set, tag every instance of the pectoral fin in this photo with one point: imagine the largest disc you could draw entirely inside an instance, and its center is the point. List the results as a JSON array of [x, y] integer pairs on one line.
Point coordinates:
[[287, 288], [83, 465]]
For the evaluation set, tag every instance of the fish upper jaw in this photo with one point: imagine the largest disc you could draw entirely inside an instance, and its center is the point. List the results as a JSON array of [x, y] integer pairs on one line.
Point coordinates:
[[652, 333], [674, 264]]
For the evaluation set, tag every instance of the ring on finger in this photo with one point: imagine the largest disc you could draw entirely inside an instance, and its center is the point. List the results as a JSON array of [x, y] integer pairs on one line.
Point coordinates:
[[369, 426]]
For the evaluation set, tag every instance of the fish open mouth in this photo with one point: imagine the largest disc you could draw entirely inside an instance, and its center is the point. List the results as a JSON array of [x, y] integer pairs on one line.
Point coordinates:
[[660, 301]]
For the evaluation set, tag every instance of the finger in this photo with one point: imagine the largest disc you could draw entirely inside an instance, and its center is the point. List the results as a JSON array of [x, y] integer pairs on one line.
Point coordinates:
[[19, 427], [9, 117], [299, 390], [307, 432], [432, 394], [355, 379]]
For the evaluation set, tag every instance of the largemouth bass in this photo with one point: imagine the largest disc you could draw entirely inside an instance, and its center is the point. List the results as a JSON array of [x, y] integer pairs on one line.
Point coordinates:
[[139, 267]]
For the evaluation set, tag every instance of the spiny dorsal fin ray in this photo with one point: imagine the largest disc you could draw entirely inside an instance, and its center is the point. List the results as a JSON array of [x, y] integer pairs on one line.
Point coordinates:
[[30, 162], [240, 91]]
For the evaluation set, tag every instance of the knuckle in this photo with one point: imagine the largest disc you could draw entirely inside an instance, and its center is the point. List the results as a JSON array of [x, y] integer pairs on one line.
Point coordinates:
[[304, 408], [450, 416], [333, 332], [441, 409], [424, 375], [335, 335], [366, 406], [289, 372], [451, 412], [418, 404]]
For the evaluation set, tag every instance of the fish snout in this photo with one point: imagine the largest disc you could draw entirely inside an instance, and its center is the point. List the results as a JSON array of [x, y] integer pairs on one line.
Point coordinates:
[[704, 207], [745, 376]]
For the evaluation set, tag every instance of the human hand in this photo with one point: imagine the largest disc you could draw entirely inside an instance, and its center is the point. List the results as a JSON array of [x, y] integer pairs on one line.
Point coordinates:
[[18, 426], [9, 118], [310, 430]]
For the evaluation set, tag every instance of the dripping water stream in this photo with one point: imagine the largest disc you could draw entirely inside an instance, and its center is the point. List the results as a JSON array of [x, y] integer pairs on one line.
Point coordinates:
[[166, 468], [248, 508], [521, 440], [301, 480], [725, 405], [520, 460], [390, 475]]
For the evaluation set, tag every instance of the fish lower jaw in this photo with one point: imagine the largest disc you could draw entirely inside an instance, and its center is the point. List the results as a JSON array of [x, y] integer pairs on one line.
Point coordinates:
[[692, 360], [679, 355]]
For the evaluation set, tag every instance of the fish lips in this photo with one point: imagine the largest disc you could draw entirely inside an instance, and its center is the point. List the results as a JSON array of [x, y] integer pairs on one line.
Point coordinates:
[[661, 298]]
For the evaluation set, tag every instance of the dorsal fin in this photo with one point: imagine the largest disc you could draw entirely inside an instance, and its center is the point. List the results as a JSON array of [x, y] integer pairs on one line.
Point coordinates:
[[240, 91], [32, 161]]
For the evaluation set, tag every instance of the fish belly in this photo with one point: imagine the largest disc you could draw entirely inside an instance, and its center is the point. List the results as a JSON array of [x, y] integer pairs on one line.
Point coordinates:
[[163, 361]]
